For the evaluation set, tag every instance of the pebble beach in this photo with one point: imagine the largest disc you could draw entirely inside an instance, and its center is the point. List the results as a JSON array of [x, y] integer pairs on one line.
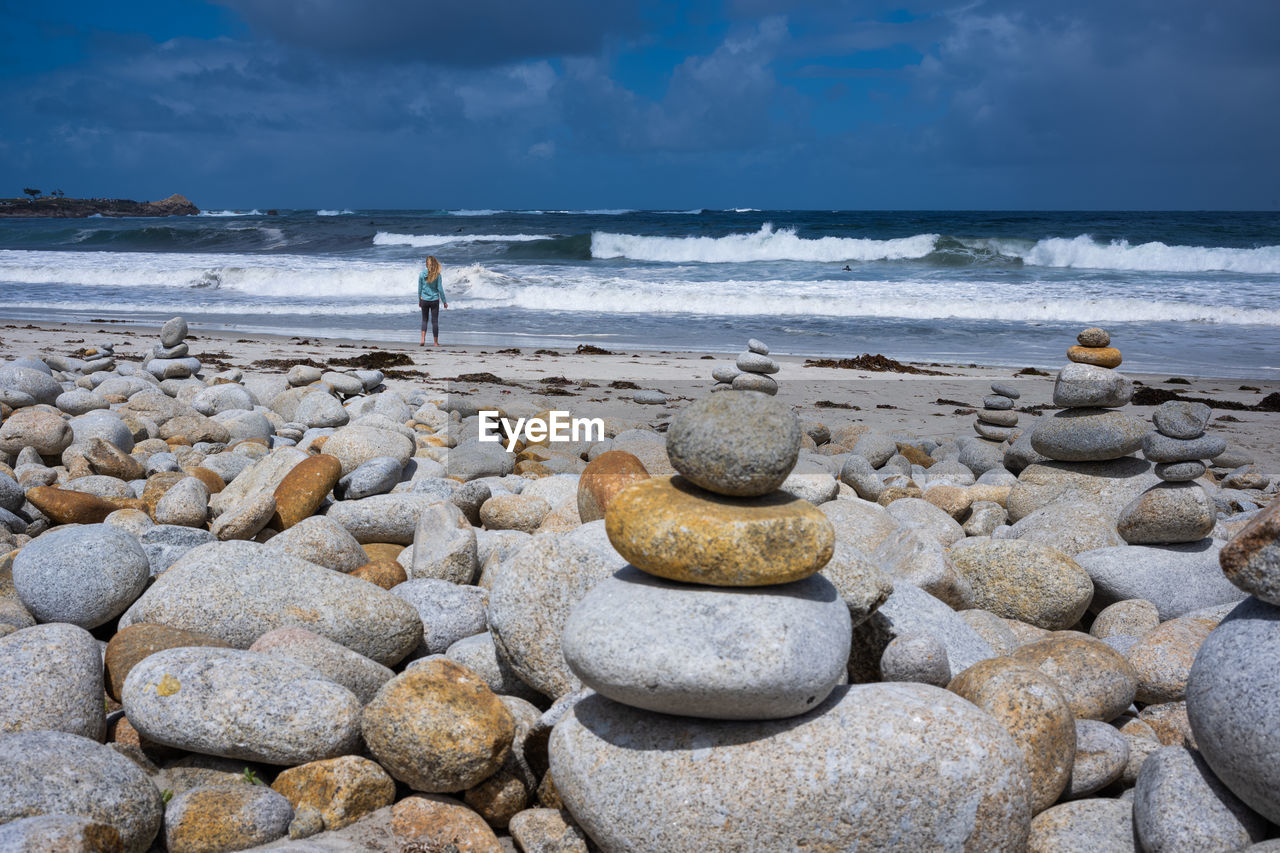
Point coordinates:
[[273, 592]]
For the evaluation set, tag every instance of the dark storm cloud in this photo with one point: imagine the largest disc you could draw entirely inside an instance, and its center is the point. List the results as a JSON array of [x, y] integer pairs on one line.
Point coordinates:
[[753, 103], [474, 32]]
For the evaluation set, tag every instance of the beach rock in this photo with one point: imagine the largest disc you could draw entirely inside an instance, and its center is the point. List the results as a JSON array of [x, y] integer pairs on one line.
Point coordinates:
[[1177, 579], [375, 477], [754, 382], [877, 448], [173, 332], [11, 494], [927, 519], [1233, 704], [1071, 527], [319, 410], [42, 430], [981, 456], [382, 518], [35, 385], [438, 728], [917, 658], [164, 544], [85, 575], [354, 445], [1093, 337], [79, 401], [1031, 708], [232, 703], [1085, 385], [858, 474], [1097, 681], [1251, 560], [469, 497], [246, 519], [184, 504], [1084, 826], [1179, 472], [1180, 419], [739, 444], [1087, 435], [225, 817], [63, 833], [910, 610], [1179, 804], [1161, 448], [918, 559], [758, 653], [1107, 485], [56, 773], [352, 670], [338, 790], [444, 545], [1023, 580], [322, 541], [137, 642], [51, 678], [754, 362], [382, 573], [530, 599], [1163, 657], [1101, 756], [434, 822], [603, 478], [514, 512], [237, 591], [224, 397], [449, 611], [104, 425], [303, 374], [300, 492], [108, 460], [1019, 454], [547, 831], [1134, 617], [873, 749], [722, 541], [1098, 356]]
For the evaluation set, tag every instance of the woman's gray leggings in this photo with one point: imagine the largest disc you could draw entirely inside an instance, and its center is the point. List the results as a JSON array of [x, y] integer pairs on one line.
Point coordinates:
[[430, 311]]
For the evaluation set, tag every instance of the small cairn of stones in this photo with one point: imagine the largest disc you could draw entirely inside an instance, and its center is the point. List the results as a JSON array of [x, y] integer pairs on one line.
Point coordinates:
[[751, 372], [1089, 390], [998, 421], [169, 359], [1177, 510], [650, 636]]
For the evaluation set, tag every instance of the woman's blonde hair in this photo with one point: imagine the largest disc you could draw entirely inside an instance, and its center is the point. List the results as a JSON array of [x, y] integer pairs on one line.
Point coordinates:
[[433, 266]]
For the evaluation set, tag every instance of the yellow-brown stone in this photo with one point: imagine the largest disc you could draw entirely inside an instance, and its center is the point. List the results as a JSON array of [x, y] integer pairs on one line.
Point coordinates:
[[1035, 713], [915, 455], [211, 480], [603, 478], [106, 459], [1163, 658], [896, 493], [499, 798], [341, 790], [383, 573], [1096, 679], [303, 489], [64, 506], [441, 823], [380, 551], [217, 817], [1099, 356], [953, 500], [131, 645], [438, 728], [158, 484], [670, 528]]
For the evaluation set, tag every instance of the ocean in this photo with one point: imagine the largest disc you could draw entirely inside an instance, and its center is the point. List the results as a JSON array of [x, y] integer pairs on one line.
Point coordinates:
[[1186, 293]]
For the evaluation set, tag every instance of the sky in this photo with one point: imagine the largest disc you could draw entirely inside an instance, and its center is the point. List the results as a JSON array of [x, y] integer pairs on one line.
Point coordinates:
[[974, 104]]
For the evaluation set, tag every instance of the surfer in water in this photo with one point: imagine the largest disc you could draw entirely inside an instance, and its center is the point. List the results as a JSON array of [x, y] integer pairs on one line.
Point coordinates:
[[431, 298]]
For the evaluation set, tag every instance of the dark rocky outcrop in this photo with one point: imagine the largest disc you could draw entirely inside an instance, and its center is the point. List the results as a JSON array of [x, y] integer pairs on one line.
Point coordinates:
[[71, 208]]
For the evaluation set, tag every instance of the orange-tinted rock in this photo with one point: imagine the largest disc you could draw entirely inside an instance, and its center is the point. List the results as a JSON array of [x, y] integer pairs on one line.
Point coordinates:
[[340, 790], [1096, 679], [211, 480], [916, 456], [438, 728], [383, 573], [380, 551], [605, 476], [133, 644], [67, 507], [953, 500], [441, 823], [303, 489], [225, 817], [110, 461], [159, 483], [1099, 356]]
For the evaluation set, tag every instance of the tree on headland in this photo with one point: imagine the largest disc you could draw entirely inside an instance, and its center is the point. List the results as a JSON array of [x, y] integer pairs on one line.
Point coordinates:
[[58, 193], [33, 192]]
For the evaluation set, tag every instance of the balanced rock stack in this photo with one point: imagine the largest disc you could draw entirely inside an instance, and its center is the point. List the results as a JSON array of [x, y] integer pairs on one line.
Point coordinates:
[[169, 359], [1089, 390], [1177, 510], [751, 372], [997, 420], [722, 626]]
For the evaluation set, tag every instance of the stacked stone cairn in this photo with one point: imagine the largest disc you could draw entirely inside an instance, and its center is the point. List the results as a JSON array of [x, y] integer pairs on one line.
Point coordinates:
[[169, 359], [1090, 390], [1178, 509], [717, 657], [751, 372], [998, 421]]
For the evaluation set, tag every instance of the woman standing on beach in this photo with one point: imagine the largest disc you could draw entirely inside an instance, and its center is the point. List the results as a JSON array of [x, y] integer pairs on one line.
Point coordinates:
[[430, 298]]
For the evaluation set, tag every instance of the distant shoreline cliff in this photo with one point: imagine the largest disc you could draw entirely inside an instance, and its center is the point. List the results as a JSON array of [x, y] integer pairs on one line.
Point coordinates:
[[76, 208]]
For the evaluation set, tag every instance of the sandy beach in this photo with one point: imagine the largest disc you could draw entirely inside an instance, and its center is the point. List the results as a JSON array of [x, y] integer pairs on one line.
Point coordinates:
[[923, 404]]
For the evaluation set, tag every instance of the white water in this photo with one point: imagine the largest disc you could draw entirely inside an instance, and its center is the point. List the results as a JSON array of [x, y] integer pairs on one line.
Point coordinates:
[[386, 238]]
